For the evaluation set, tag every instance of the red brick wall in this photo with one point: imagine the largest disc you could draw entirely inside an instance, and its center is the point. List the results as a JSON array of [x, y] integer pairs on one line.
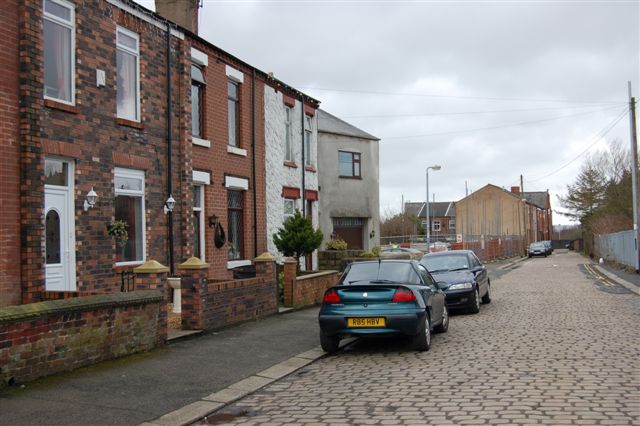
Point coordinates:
[[220, 163], [49, 337], [306, 290], [9, 156], [90, 135]]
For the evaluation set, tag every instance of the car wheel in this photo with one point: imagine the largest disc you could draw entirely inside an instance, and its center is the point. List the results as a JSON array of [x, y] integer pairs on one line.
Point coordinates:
[[487, 297], [422, 340], [444, 325], [329, 344], [475, 308]]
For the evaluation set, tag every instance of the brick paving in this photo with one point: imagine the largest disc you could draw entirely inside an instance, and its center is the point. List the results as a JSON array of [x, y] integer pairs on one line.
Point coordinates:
[[554, 347]]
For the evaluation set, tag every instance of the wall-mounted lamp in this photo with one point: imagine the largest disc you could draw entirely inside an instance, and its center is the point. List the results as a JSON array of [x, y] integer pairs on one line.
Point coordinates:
[[213, 221], [169, 204], [372, 234], [92, 197]]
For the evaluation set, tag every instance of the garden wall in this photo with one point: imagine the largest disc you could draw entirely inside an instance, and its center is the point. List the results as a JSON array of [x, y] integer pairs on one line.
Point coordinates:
[[44, 338], [337, 260], [306, 290]]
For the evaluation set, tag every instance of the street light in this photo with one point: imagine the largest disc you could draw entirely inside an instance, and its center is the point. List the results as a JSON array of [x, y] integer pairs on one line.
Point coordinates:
[[435, 168]]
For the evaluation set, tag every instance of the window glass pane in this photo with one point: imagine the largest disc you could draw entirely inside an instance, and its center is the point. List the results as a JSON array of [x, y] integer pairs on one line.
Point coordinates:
[[345, 167], [232, 90], [55, 172], [57, 61], [195, 111], [57, 10], [197, 198], [127, 41], [128, 183], [127, 85], [233, 127], [356, 169], [308, 155], [52, 237], [196, 74], [129, 209], [196, 233], [234, 200], [289, 207]]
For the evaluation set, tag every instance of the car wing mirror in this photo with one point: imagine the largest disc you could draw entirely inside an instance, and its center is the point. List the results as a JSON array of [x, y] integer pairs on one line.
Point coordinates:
[[442, 285]]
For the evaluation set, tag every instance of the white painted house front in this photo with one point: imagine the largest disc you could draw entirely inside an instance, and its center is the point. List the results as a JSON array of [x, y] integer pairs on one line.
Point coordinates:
[[291, 139]]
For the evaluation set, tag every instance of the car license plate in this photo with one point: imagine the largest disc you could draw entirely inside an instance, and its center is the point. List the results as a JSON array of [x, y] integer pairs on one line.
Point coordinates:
[[365, 322]]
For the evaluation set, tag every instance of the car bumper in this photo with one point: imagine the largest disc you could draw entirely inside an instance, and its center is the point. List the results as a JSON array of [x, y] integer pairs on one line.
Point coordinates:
[[460, 299], [537, 253], [395, 323]]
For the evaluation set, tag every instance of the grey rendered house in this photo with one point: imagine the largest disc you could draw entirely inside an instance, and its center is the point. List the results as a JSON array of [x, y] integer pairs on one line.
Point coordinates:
[[348, 165]]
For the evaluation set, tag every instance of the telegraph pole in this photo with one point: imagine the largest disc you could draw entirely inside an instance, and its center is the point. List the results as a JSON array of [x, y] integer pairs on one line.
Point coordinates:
[[634, 174]]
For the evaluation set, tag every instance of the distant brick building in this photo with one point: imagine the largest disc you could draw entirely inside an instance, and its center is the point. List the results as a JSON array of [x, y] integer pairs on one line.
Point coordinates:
[[442, 216]]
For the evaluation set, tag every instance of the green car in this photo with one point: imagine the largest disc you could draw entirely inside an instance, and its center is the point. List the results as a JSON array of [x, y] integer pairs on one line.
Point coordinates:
[[383, 298]]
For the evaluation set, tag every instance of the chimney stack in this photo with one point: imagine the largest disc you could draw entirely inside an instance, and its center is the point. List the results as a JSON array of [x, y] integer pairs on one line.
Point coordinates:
[[182, 12], [515, 190]]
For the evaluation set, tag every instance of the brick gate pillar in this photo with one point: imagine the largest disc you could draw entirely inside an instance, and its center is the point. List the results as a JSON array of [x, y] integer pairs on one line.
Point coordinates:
[[152, 275], [290, 270], [194, 274]]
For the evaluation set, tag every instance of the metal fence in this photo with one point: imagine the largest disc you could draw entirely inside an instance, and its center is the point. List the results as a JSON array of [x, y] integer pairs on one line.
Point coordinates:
[[619, 246]]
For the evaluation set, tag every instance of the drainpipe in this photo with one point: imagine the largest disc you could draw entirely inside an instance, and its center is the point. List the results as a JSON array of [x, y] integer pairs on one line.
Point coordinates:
[[169, 148], [304, 201], [253, 129]]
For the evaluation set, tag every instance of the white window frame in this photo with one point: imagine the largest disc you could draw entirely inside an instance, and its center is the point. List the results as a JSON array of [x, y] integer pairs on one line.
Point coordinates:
[[284, 208], [308, 132], [136, 53], [72, 26], [200, 211], [288, 144], [133, 174], [436, 225], [452, 224]]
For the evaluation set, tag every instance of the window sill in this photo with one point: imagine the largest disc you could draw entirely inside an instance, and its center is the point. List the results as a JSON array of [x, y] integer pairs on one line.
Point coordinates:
[[130, 123], [131, 263], [50, 103], [291, 164], [200, 142], [311, 169], [237, 263], [351, 177], [236, 151]]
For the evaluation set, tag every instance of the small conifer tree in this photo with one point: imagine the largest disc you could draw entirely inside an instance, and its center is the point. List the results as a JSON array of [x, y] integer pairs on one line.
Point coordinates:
[[297, 237]]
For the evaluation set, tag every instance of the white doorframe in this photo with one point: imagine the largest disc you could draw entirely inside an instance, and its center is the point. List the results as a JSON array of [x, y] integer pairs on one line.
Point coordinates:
[[61, 276]]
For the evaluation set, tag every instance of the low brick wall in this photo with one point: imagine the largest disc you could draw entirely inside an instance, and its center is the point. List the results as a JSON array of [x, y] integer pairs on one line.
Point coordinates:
[[336, 260], [44, 338], [306, 290]]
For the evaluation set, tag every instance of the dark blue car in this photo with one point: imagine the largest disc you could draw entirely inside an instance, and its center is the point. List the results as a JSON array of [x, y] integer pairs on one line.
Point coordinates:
[[465, 278], [383, 298]]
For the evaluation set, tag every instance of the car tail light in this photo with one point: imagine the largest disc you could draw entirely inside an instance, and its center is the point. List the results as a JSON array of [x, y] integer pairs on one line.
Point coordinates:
[[403, 296], [331, 297]]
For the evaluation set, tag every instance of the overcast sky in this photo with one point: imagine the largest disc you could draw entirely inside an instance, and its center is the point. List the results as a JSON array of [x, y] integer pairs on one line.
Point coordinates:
[[487, 90]]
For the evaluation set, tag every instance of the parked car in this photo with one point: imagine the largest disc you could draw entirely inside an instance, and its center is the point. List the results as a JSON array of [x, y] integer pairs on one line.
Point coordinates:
[[465, 277], [538, 249], [383, 298], [400, 253], [548, 245]]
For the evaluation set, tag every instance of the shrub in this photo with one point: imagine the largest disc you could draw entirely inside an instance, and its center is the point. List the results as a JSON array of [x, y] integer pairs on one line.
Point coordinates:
[[336, 244]]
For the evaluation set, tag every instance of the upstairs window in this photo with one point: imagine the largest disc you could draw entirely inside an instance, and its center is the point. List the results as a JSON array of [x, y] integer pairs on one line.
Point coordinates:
[[59, 56], [308, 154], [288, 145], [349, 164], [232, 112], [128, 74], [197, 97]]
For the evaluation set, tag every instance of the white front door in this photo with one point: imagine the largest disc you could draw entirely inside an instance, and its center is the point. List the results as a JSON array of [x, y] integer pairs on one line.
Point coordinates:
[[60, 263]]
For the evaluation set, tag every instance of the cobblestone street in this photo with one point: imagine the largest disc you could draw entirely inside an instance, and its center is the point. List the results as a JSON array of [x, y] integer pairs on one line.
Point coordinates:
[[554, 347]]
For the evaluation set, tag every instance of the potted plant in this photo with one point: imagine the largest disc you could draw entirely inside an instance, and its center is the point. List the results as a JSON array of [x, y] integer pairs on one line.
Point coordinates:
[[118, 230]]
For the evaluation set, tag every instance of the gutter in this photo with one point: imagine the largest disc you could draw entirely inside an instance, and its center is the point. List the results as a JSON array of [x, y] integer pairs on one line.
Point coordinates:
[[169, 149], [304, 201], [253, 149]]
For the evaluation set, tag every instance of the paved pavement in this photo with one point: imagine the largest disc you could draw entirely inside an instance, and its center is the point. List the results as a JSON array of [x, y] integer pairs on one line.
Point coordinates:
[[142, 388], [556, 346]]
